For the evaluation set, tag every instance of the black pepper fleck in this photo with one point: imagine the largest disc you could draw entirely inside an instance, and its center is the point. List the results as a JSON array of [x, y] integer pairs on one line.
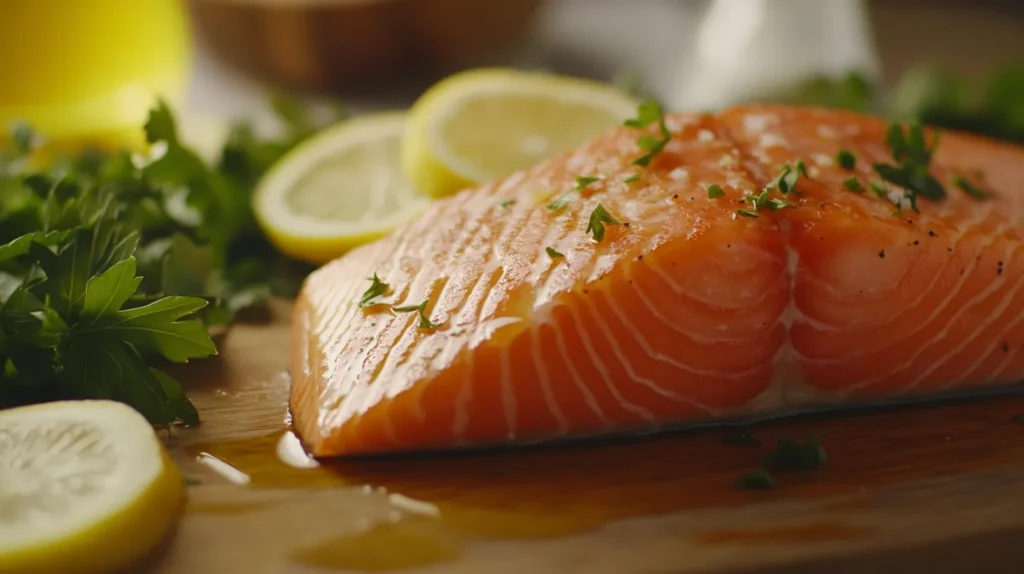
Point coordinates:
[[932, 233], [625, 224], [821, 205], [639, 257], [675, 196], [950, 249], [1006, 347], [881, 254], [917, 242]]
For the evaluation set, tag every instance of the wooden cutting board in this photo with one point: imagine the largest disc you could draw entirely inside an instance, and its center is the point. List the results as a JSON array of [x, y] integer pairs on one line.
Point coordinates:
[[933, 488]]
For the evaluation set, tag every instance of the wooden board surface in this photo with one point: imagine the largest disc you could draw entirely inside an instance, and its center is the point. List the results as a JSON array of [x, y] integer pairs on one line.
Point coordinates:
[[931, 488]]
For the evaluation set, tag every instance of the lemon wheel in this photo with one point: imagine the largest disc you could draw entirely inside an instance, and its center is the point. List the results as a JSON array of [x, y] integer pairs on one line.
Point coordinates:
[[484, 124], [337, 190], [85, 486]]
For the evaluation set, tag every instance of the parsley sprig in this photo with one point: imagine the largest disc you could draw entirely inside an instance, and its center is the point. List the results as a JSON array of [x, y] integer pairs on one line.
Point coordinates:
[[111, 264], [647, 114], [912, 157], [374, 292], [785, 183], [598, 219]]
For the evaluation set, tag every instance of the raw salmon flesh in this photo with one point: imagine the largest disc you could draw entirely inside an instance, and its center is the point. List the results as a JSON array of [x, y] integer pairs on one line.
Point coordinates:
[[690, 308]]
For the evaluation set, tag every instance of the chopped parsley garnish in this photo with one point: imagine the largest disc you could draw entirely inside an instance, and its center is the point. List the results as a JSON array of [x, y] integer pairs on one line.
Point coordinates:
[[776, 204], [880, 190], [846, 159], [631, 179], [746, 213], [552, 253], [794, 454], [583, 181], [598, 218], [562, 200], [970, 189], [507, 203], [742, 438], [425, 322], [762, 201], [757, 479], [913, 157], [377, 289], [715, 191], [853, 184], [785, 182], [647, 114], [801, 168]]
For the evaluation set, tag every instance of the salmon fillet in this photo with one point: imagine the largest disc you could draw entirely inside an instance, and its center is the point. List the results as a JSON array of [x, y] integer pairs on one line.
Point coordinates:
[[688, 310]]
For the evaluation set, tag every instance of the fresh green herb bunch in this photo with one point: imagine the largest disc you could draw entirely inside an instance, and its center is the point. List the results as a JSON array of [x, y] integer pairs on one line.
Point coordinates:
[[112, 263]]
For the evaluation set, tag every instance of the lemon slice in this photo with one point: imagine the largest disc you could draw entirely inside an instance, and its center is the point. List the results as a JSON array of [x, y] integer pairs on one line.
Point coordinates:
[[85, 486], [484, 124], [337, 190]]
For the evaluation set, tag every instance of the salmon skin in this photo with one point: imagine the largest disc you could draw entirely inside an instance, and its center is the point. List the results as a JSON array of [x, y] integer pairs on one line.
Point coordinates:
[[514, 323]]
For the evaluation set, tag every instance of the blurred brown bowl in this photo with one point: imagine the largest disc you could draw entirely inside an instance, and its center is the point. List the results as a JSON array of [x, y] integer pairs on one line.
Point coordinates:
[[321, 44]]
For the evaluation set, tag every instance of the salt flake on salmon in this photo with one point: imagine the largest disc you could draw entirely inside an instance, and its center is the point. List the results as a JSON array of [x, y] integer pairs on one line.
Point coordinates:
[[693, 267]]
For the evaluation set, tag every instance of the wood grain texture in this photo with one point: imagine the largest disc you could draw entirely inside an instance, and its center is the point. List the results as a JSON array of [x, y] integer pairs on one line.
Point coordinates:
[[932, 488]]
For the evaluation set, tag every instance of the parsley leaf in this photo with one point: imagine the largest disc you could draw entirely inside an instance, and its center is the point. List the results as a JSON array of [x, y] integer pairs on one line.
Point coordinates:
[[880, 190], [562, 200], [598, 218], [583, 181], [631, 179], [507, 203], [715, 191], [853, 184], [846, 159], [647, 114], [971, 189], [785, 182], [377, 289], [425, 322], [552, 253]]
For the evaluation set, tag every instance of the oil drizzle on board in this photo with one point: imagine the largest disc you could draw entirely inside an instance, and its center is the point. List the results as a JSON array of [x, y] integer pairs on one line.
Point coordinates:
[[553, 491], [394, 545]]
